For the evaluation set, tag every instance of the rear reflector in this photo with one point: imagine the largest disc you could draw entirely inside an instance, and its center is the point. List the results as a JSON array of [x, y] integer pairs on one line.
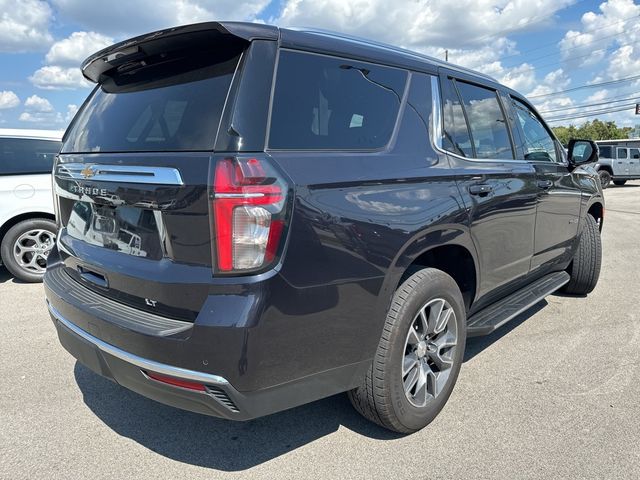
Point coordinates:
[[248, 209], [176, 382]]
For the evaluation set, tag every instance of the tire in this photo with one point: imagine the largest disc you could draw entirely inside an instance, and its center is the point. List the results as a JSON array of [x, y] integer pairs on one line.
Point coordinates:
[[605, 178], [585, 267], [619, 182], [24, 241], [381, 397]]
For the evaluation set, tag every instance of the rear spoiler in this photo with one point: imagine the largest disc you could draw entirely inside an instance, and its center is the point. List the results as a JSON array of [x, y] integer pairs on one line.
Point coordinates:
[[172, 39]]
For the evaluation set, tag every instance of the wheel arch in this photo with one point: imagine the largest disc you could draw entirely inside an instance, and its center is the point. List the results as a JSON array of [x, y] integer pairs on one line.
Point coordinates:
[[4, 228], [606, 168], [448, 249], [596, 210]]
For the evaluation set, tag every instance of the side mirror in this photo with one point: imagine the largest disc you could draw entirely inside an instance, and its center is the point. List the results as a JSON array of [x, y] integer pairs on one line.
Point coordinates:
[[581, 152]]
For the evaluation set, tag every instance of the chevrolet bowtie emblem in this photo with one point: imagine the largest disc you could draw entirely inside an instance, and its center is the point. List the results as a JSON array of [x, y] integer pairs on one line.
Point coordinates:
[[88, 172]]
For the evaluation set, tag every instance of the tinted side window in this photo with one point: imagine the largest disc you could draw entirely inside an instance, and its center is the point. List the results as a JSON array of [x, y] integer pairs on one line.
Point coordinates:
[[605, 152], [635, 153], [333, 103], [22, 155], [486, 121], [538, 144], [455, 130], [622, 153]]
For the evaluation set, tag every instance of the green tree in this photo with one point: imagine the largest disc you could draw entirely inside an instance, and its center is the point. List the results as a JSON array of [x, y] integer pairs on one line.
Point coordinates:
[[591, 130]]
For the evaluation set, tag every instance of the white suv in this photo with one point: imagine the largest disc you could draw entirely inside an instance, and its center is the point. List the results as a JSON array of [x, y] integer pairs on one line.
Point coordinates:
[[27, 221]]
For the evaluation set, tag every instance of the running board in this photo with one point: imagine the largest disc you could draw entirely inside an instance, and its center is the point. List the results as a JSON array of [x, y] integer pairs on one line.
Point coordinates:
[[497, 314]]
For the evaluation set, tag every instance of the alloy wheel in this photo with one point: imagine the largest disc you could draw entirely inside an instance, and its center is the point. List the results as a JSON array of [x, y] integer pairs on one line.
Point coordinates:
[[32, 248], [429, 352]]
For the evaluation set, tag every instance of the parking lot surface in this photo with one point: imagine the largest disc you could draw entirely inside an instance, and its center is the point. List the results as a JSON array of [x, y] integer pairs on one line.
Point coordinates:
[[553, 394]]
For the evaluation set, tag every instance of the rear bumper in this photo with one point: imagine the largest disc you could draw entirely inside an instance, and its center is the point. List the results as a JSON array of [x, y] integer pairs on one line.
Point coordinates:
[[219, 398], [130, 370], [238, 363]]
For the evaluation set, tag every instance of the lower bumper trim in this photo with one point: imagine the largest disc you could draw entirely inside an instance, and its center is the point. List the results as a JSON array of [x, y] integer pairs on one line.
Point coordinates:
[[142, 363]]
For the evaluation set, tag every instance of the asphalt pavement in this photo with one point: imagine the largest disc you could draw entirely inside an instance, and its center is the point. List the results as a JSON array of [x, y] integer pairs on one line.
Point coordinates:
[[553, 394]]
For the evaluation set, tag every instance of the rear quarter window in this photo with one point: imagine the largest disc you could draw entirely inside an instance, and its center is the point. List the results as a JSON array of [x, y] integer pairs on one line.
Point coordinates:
[[27, 156], [329, 103], [605, 152]]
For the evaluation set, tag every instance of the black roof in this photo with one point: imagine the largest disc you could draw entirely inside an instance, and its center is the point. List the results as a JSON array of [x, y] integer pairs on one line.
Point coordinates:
[[319, 41]]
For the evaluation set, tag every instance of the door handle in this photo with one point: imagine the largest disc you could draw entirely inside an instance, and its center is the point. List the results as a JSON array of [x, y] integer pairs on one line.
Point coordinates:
[[482, 189], [545, 184]]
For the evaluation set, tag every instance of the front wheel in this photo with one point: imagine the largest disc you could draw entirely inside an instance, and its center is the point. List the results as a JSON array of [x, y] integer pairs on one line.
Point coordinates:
[[26, 246], [605, 178], [585, 267], [419, 355]]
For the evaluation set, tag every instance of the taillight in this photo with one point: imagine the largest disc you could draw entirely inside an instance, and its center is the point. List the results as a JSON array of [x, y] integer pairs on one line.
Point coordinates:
[[249, 203]]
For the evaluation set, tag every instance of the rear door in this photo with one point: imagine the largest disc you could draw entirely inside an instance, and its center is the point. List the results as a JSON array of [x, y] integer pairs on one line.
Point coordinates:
[[621, 165], [558, 190], [634, 162], [499, 192], [132, 181]]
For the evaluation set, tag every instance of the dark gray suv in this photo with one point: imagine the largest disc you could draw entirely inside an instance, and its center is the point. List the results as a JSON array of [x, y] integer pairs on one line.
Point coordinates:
[[252, 218]]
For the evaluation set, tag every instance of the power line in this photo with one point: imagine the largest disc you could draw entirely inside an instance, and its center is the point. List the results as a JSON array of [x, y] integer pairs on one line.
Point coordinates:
[[588, 105], [560, 62], [596, 111], [589, 114], [560, 52], [572, 48], [520, 26], [591, 85]]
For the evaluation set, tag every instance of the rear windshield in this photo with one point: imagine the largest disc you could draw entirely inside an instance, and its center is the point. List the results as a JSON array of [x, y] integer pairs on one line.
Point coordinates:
[[24, 155], [173, 105], [325, 102]]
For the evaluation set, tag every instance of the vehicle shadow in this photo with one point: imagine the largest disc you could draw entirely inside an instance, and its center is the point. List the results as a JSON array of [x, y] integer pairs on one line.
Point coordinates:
[[5, 276], [211, 442]]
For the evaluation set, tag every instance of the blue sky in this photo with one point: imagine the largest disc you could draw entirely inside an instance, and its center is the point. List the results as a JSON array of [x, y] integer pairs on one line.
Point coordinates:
[[535, 46]]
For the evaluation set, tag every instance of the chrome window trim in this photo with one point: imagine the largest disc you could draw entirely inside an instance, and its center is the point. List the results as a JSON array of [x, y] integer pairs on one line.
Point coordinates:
[[120, 173], [436, 127], [142, 363]]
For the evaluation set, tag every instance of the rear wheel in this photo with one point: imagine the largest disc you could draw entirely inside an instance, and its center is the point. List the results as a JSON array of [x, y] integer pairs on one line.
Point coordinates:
[[419, 355], [605, 178], [585, 267], [26, 246], [619, 182]]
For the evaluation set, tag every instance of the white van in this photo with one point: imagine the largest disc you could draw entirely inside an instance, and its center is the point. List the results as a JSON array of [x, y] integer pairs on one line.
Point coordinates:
[[27, 220]]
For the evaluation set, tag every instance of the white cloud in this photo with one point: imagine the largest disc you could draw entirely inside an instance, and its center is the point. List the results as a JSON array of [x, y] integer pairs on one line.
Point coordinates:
[[422, 23], [8, 99], [53, 77], [64, 58], [552, 82], [44, 119], [24, 25], [432, 25], [600, 32], [71, 51], [71, 112], [619, 53], [135, 17], [38, 104]]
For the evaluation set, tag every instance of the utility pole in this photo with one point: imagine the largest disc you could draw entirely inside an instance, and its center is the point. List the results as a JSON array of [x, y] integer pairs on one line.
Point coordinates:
[[446, 55]]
